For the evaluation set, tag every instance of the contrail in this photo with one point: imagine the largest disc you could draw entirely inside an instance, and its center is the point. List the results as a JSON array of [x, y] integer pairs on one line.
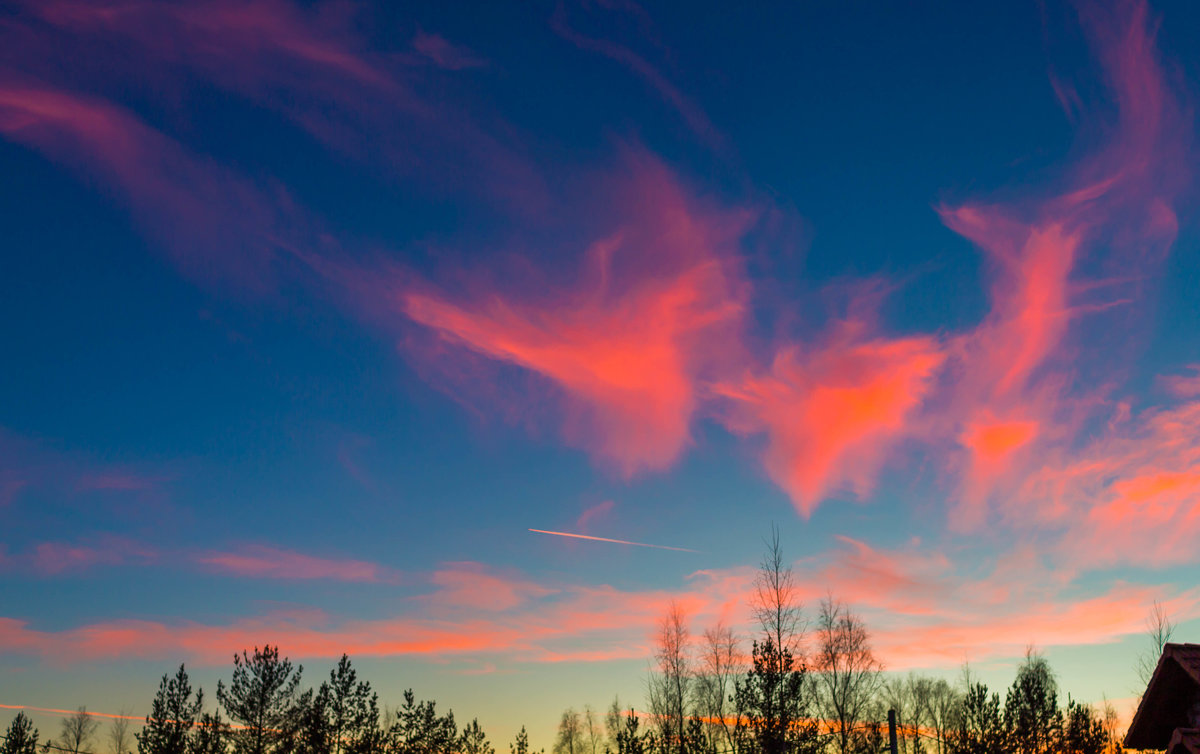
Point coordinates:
[[109, 715], [69, 712], [606, 539]]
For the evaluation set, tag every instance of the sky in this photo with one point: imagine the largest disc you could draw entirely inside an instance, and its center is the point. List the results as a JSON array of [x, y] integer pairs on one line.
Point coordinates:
[[313, 312]]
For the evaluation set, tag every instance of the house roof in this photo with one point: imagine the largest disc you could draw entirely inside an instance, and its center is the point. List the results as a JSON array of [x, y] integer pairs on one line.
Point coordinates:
[[1173, 690], [1185, 741]]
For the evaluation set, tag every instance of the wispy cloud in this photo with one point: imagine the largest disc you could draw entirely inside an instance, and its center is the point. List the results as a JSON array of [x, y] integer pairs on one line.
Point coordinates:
[[267, 562], [659, 299]]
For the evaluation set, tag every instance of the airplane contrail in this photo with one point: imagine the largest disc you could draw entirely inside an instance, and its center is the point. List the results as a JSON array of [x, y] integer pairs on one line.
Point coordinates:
[[606, 539]]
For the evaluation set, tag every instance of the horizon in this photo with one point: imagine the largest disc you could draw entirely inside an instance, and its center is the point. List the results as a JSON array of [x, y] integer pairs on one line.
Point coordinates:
[[464, 340]]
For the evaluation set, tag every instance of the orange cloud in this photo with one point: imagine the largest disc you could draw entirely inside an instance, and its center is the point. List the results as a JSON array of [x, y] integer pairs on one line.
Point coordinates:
[[626, 347], [1057, 256], [473, 586], [831, 414], [992, 445]]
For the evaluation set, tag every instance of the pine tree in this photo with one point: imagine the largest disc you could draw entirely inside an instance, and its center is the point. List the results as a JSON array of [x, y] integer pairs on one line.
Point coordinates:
[[1032, 720], [420, 730], [211, 735], [772, 699], [172, 714], [262, 697], [473, 741], [351, 711], [1083, 731], [629, 740], [980, 726], [21, 737], [521, 744]]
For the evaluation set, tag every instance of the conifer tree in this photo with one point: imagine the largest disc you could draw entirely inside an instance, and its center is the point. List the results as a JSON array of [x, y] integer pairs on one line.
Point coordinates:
[[473, 741], [521, 744], [262, 697], [1083, 731], [21, 737], [211, 735], [172, 714]]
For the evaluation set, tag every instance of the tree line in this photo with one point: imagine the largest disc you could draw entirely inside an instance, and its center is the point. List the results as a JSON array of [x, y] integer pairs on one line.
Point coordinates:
[[803, 687], [816, 687]]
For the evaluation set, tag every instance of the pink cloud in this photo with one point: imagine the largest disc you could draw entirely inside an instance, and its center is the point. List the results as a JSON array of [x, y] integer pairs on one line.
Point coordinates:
[[473, 586], [832, 413], [307, 63], [924, 611], [266, 562], [214, 224], [600, 510], [1183, 385], [1131, 496], [60, 558], [693, 115], [1057, 257], [655, 308], [446, 54]]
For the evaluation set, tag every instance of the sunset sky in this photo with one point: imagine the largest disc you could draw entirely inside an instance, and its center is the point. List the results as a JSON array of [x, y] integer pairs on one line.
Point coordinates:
[[314, 310]]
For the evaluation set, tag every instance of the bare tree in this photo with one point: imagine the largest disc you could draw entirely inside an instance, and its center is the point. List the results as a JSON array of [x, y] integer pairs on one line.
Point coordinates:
[[846, 669], [1159, 630], [943, 707], [719, 669], [896, 694], [570, 733], [669, 685], [613, 725], [120, 739], [592, 735], [77, 731], [1111, 721], [775, 603]]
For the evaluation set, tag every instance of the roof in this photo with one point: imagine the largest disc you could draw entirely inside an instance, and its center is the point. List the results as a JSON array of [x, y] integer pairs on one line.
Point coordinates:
[[1167, 705], [1185, 741]]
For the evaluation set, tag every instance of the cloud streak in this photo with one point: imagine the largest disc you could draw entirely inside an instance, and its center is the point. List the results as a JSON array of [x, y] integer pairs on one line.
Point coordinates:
[[606, 539]]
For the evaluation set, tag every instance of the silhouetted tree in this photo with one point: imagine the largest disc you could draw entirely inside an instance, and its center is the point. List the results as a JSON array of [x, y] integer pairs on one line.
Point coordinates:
[[473, 741], [629, 738], [669, 686], [1159, 629], [613, 725], [1032, 720], [1083, 731], [713, 685], [21, 737], [171, 716], [520, 744], [1112, 723], [261, 697], [846, 670], [772, 698], [418, 729], [569, 738], [593, 735], [980, 727], [943, 708], [120, 739], [342, 717], [77, 729], [211, 735]]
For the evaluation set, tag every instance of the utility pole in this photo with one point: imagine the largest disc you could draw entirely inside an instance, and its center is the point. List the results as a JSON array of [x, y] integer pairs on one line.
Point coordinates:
[[892, 731]]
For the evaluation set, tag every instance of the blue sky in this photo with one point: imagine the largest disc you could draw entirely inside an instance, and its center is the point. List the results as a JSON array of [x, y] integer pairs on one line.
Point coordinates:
[[313, 310]]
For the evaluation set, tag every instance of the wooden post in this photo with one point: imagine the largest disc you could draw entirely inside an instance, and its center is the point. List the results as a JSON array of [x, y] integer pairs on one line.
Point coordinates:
[[892, 747]]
